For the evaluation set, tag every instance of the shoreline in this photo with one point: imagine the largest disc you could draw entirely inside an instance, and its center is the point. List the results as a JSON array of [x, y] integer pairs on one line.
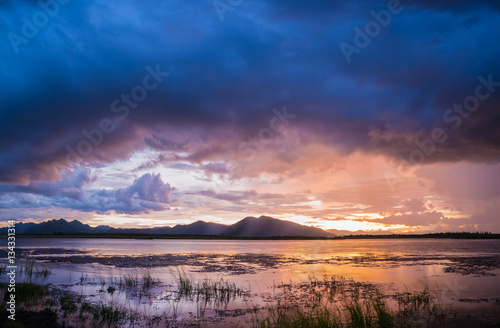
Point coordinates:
[[475, 236]]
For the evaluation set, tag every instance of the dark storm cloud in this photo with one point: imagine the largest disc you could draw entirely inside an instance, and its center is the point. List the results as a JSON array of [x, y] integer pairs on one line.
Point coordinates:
[[159, 143], [229, 75]]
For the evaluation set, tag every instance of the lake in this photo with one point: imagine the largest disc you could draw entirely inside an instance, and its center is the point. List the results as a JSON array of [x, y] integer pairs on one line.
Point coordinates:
[[463, 274]]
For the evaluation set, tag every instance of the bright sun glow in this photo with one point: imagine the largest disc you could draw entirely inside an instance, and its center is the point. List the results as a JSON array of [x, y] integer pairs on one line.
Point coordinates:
[[358, 225]]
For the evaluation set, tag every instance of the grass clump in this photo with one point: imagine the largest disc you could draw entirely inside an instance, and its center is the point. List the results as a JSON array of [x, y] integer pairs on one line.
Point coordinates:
[[346, 303], [208, 290], [294, 317], [185, 285], [111, 315], [220, 291], [147, 281], [31, 270], [131, 281], [68, 305], [29, 293]]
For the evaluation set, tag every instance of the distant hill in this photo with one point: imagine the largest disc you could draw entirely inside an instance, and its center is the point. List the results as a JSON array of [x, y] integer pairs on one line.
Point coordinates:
[[21, 227], [56, 226], [196, 228], [102, 228], [263, 226], [61, 226]]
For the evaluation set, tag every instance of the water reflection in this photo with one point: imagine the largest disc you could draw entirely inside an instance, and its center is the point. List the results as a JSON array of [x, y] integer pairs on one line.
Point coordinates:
[[234, 278]]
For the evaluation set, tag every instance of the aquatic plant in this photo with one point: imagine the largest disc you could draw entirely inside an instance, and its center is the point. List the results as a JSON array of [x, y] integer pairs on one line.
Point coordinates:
[[147, 281], [331, 302], [185, 284], [30, 270], [130, 280], [68, 304], [335, 302], [29, 293], [110, 315]]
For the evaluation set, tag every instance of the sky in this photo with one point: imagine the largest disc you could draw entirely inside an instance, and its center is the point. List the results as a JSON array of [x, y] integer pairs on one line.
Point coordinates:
[[346, 115]]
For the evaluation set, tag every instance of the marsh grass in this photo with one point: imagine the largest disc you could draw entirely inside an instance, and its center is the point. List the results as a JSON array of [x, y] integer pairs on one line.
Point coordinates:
[[339, 302], [127, 281], [147, 281], [68, 304], [111, 315], [102, 282], [207, 290], [130, 281], [331, 302], [29, 293], [185, 284], [108, 315], [220, 290], [30, 270], [73, 308], [292, 316]]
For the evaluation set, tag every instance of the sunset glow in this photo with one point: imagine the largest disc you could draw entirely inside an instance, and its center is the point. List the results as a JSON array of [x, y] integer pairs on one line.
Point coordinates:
[[162, 121]]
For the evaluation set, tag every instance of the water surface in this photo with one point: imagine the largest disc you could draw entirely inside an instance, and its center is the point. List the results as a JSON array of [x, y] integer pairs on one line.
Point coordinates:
[[463, 274]]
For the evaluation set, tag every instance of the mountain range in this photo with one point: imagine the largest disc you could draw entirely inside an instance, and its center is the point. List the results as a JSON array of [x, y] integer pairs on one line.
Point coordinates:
[[263, 226]]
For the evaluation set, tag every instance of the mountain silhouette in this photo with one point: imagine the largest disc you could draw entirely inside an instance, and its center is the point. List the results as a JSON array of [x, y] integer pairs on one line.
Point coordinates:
[[266, 226], [263, 226]]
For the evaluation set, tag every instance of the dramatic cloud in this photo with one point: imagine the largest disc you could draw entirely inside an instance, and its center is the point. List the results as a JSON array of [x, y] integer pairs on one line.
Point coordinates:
[[414, 219], [70, 186], [262, 102], [149, 187], [147, 193]]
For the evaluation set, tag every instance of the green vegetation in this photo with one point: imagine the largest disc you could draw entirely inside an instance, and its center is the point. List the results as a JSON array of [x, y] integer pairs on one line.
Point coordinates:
[[29, 293], [185, 284], [33, 296], [111, 315], [331, 302], [147, 281], [220, 291], [340, 302], [207, 290], [68, 305], [290, 317], [31, 270], [130, 280]]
